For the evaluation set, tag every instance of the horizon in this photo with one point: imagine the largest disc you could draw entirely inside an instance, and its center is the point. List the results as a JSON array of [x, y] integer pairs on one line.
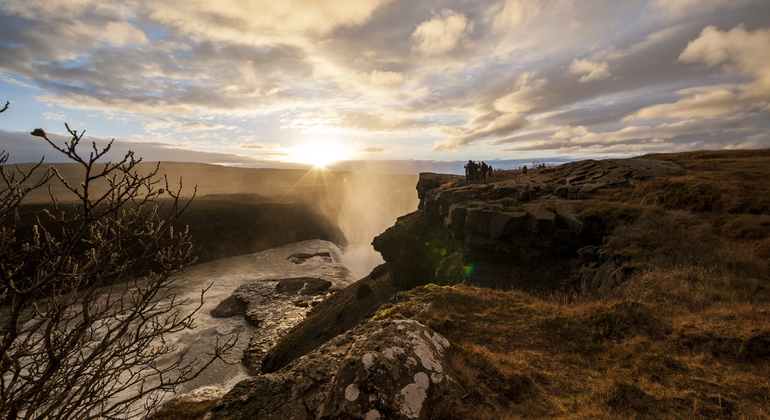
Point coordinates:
[[386, 86]]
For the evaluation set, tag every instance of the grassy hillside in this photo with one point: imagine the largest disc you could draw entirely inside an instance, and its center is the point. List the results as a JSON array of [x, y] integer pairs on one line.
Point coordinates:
[[687, 335]]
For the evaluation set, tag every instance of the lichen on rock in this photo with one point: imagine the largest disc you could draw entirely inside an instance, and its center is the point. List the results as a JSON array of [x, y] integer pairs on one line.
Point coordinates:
[[392, 369]]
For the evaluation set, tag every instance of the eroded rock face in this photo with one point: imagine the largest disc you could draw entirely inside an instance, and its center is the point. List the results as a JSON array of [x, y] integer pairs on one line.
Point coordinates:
[[514, 233], [393, 369]]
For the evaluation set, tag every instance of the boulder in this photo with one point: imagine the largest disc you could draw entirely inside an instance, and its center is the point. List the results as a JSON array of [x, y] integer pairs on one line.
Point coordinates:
[[391, 369], [230, 307]]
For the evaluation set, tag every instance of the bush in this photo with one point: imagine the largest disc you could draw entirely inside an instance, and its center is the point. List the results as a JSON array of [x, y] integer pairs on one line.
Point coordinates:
[[81, 333]]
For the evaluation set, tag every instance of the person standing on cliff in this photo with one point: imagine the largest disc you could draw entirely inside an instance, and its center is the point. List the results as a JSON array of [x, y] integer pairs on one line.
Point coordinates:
[[489, 172], [484, 168]]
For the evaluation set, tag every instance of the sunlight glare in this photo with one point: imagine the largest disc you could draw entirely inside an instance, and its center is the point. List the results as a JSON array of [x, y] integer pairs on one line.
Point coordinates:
[[319, 153]]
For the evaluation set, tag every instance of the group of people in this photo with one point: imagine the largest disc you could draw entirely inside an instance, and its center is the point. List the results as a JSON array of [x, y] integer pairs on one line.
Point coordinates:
[[475, 170]]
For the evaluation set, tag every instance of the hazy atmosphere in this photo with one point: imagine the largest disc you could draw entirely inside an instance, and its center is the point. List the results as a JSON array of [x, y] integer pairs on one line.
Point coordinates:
[[409, 83]]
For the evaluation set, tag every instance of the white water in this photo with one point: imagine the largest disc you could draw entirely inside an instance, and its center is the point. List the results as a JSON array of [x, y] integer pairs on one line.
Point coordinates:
[[226, 275]]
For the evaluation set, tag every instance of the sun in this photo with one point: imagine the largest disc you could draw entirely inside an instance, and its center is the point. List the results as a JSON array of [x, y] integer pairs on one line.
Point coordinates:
[[319, 153]]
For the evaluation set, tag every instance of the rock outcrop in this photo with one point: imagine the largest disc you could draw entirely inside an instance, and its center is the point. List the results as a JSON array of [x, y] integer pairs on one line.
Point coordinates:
[[523, 232], [276, 304], [333, 316], [390, 369]]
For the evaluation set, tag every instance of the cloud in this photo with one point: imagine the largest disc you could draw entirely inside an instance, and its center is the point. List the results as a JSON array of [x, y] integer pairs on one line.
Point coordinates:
[[120, 34], [592, 70], [442, 33], [580, 137], [260, 20], [676, 9], [507, 114], [425, 77], [515, 13], [705, 102], [53, 116], [183, 126], [372, 149], [739, 51], [386, 78]]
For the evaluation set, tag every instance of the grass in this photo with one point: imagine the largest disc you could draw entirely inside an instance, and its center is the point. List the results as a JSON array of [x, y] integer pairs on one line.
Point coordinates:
[[686, 336]]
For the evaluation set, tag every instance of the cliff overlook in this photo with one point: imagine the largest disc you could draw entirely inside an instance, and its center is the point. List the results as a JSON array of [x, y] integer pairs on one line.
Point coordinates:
[[631, 288]]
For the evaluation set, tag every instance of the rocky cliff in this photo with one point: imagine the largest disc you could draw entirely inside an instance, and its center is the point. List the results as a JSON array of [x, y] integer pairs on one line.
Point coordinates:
[[520, 232]]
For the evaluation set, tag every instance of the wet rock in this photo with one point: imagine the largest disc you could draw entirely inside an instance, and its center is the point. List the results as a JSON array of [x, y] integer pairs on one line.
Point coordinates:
[[382, 369], [303, 286], [301, 258], [229, 307], [312, 271]]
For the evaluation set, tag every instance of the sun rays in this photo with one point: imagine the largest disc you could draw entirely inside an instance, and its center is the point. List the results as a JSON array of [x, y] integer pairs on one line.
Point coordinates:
[[319, 153]]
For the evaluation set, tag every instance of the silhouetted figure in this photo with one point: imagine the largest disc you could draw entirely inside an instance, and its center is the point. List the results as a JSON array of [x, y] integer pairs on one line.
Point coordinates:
[[489, 172], [524, 170], [484, 169]]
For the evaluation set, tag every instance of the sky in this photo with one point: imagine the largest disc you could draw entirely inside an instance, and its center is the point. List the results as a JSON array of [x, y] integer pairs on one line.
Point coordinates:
[[395, 83]]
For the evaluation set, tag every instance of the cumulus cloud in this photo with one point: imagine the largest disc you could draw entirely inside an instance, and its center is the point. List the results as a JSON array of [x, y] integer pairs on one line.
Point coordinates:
[[515, 13], [590, 69], [386, 78], [738, 52], [442, 33]]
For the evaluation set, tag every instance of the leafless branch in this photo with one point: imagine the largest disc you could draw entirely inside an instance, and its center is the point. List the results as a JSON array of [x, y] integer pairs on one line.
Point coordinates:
[[88, 295]]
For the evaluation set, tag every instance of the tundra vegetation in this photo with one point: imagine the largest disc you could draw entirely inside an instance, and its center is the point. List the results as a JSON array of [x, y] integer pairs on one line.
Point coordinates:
[[87, 291]]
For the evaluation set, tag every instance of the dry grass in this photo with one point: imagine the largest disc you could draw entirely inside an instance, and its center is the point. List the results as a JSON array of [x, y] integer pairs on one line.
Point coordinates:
[[687, 336]]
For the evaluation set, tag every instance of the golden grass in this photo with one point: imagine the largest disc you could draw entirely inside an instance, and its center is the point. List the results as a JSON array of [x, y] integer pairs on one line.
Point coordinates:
[[687, 336]]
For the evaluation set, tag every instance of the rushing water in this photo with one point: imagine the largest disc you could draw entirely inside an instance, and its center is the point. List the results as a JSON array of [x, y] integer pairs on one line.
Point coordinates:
[[226, 275]]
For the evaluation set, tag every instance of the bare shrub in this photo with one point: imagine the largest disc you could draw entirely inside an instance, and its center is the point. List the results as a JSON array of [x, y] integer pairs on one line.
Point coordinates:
[[88, 296]]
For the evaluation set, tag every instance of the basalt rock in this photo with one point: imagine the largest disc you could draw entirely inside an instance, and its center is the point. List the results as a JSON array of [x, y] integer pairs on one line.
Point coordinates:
[[522, 232], [392, 369]]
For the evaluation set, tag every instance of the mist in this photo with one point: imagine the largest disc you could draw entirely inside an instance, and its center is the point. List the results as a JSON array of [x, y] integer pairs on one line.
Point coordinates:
[[362, 205], [370, 204]]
